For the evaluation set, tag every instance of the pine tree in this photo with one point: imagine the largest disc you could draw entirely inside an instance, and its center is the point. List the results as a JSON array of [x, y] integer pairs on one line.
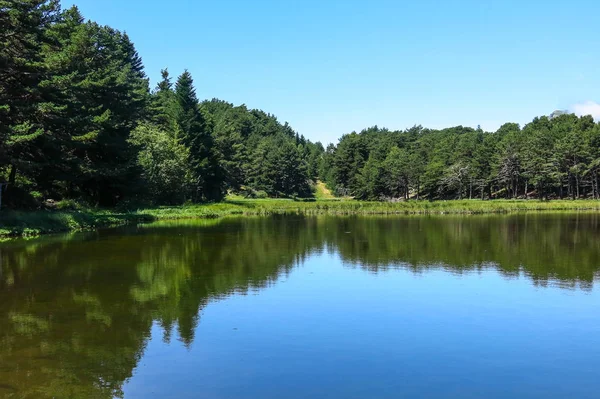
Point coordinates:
[[263, 167], [291, 170], [23, 34], [231, 128], [51, 176], [397, 173], [163, 103], [195, 135], [101, 94]]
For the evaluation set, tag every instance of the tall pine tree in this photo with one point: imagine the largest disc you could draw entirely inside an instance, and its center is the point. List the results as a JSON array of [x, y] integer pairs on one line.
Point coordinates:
[[195, 134], [106, 96], [23, 35], [163, 103]]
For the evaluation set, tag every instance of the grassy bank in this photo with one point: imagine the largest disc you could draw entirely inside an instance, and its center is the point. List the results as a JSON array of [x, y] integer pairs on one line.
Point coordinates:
[[349, 207], [23, 224], [42, 222]]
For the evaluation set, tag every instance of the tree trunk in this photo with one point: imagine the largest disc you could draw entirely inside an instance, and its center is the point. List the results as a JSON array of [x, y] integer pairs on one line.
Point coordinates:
[[418, 188], [12, 178], [13, 175], [571, 186], [526, 189], [560, 191]]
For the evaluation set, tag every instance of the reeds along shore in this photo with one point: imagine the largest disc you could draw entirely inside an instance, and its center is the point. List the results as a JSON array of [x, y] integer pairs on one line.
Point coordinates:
[[22, 223]]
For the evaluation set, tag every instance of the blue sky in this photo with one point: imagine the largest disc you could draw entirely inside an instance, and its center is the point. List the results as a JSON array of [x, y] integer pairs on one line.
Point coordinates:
[[329, 67]]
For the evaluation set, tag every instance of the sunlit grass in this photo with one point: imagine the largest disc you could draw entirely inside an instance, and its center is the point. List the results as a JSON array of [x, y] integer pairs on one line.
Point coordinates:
[[322, 192], [333, 207]]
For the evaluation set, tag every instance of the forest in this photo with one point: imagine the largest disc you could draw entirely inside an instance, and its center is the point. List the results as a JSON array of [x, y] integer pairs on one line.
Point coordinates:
[[79, 121], [556, 156]]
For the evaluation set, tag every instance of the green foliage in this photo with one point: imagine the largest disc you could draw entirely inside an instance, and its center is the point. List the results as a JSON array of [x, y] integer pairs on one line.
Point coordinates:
[[258, 152], [76, 91], [166, 175], [163, 106], [85, 89], [69, 215], [23, 35], [196, 136], [397, 166], [78, 121], [548, 158]]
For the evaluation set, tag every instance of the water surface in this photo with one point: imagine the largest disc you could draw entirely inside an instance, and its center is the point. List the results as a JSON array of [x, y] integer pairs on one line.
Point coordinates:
[[306, 307]]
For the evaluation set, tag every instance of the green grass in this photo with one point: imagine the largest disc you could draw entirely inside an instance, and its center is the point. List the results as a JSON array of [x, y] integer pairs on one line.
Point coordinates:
[[322, 192], [43, 222], [21, 223], [349, 207]]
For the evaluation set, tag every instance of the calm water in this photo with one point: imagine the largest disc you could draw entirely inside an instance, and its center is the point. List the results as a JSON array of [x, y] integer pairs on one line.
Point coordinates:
[[299, 307]]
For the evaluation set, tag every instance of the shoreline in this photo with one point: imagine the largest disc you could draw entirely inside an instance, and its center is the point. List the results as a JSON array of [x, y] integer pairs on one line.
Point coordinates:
[[15, 224]]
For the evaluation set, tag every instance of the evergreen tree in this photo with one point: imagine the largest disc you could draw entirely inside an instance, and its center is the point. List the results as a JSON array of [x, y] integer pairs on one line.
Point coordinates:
[[369, 183], [398, 173], [107, 82], [163, 103], [350, 157], [56, 179], [23, 35], [262, 171], [313, 155], [195, 135], [292, 176], [231, 128]]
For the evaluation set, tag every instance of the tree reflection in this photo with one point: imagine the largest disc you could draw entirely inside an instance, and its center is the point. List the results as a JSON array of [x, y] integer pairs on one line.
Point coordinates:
[[76, 312]]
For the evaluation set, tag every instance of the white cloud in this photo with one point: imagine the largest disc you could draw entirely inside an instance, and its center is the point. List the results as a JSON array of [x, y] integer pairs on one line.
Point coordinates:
[[587, 108]]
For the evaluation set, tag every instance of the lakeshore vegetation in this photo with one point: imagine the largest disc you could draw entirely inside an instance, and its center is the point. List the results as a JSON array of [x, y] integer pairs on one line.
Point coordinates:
[[84, 139], [32, 223]]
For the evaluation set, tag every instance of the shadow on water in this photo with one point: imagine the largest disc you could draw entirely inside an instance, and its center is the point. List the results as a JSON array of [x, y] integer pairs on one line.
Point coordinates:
[[76, 311]]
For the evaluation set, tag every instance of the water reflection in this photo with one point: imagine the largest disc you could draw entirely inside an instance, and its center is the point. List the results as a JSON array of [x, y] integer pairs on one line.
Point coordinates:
[[76, 311]]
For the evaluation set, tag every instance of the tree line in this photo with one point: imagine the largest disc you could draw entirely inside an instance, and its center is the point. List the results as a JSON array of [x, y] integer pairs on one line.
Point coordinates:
[[79, 121], [551, 157]]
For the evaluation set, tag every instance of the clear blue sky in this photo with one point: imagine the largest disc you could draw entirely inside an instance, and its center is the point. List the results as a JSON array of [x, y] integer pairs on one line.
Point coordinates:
[[329, 67]]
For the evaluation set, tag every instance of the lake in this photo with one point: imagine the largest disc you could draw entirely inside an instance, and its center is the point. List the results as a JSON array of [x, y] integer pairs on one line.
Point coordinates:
[[306, 307]]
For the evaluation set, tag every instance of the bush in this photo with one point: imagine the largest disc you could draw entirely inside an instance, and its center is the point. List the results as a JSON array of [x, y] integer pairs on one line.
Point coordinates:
[[164, 163], [69, 205]]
